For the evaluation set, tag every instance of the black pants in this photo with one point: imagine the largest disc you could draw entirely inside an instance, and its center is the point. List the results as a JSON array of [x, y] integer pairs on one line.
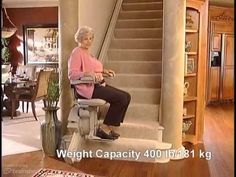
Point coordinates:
[[119, 101]]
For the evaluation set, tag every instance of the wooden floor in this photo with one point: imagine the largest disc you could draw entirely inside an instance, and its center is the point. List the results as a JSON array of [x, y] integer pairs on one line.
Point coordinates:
[[218, 140]]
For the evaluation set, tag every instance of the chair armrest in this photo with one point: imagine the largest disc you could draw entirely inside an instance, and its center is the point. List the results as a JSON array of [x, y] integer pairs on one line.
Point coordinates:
[[83, 80]]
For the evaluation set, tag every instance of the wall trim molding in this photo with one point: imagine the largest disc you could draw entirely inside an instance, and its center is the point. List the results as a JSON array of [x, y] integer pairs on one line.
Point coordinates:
[[222, 17], [30, 3]]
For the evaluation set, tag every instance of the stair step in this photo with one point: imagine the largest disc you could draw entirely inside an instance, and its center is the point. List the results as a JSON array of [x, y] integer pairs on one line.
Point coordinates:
[[138, 110], [135, 67], [136, 80], [144, 112], [136, 43], [141, 130], [148, 14], [138, 33], [140, 1], [139, 23], [144, 95], [133, 128], [132, 149], [142, 6], [135, 54]]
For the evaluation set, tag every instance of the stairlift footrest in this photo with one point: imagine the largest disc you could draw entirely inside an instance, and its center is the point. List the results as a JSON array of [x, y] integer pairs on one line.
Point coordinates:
[[92, 137], [96, 138]]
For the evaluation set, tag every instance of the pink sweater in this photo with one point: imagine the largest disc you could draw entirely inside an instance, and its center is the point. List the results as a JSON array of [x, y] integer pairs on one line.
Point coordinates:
[[80, 62]]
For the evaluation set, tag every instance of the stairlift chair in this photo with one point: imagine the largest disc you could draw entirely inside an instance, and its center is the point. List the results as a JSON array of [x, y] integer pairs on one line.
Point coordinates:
[[84, 113], [84, 119]]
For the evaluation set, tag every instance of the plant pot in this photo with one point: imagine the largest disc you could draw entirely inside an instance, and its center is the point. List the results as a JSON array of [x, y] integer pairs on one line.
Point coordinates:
[[51, 131]]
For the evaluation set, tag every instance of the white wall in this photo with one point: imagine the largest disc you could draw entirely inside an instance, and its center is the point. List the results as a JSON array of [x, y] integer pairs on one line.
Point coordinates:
[[96, 14]]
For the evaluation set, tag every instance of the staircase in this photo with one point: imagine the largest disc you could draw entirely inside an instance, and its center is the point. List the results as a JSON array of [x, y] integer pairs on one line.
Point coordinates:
[[135, 54]]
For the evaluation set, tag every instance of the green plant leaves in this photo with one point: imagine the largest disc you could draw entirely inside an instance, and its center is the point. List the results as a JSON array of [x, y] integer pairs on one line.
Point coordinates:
[[6, 53], [53, 91]]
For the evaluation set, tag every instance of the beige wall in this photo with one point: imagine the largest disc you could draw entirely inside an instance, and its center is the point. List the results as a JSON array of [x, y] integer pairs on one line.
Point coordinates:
[[96, 14]]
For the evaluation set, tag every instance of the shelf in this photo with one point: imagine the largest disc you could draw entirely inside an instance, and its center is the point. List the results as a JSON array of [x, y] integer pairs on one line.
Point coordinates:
[[191, 31], [191, 53], [190, 98], [189, 116], [190, 75], [189, 138], [194, 63]]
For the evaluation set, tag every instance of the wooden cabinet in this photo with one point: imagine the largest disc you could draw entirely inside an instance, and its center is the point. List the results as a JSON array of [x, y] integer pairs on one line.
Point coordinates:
[[228, 50], [216, 42], [195, 59], [220, 68], [214, 83], [228, 68], [228, 84]]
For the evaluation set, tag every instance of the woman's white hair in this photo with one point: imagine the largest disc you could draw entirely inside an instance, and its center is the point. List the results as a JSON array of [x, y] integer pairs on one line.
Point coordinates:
[[81, 32]]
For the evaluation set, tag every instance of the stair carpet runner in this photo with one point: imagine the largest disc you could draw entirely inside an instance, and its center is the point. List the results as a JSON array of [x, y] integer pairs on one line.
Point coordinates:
[[135, 55]]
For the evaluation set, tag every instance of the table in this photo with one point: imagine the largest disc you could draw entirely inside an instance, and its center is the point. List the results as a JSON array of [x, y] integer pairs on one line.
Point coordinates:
[[12, 90]]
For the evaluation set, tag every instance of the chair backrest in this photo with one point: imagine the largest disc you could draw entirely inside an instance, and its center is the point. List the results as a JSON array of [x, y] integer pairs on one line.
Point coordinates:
[[42, 84], [29, 70]]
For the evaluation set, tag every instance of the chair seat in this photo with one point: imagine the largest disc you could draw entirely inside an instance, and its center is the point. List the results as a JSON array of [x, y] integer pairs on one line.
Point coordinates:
[[91, 102]]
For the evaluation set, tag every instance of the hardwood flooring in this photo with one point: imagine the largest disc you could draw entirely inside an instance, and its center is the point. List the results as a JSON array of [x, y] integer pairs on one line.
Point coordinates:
[[218, 140]]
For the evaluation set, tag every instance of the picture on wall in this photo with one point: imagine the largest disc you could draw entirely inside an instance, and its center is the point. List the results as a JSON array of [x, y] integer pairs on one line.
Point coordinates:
[[41, 44], [190, 66]]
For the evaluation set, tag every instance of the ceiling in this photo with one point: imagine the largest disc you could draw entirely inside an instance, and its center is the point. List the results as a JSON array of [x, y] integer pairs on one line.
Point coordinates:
[[46, 3]]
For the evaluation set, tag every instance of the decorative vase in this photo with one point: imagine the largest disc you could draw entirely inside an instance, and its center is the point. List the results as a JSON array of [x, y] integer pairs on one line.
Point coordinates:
[[188, 46], [185, 127], [51, 131], [189, 21], [186, 86]]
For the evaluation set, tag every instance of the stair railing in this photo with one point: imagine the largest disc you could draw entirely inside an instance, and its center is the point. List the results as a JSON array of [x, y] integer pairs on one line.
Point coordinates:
[[110, 30]]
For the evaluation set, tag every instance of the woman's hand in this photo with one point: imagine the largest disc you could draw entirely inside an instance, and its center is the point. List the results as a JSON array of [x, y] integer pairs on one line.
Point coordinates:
[[98, 77], [109, 72]]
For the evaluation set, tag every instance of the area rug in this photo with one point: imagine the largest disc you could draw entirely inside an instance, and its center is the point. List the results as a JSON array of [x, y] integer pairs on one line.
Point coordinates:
[[22, 133], [44, 172]]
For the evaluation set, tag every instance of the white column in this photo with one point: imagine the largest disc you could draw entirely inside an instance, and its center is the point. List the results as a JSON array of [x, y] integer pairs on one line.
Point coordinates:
[[68, 25], [173, 72]]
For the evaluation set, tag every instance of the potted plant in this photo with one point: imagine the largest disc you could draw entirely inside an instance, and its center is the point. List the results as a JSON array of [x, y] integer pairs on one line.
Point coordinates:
[[6, 53], [51, 126], [53, 92]]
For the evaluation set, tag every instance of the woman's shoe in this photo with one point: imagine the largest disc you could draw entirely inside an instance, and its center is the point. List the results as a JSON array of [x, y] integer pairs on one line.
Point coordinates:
[[114, 134], [102, 134]]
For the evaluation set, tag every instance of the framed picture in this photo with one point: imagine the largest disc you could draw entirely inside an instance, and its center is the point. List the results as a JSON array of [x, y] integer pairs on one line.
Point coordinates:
[[41, 44], [190, 66]]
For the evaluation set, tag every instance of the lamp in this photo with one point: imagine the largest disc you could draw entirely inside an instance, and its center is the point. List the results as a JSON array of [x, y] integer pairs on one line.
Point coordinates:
[[8, 31]]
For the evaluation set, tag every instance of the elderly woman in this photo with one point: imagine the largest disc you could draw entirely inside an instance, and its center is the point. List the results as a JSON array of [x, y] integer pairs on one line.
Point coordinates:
[[81, 63]]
